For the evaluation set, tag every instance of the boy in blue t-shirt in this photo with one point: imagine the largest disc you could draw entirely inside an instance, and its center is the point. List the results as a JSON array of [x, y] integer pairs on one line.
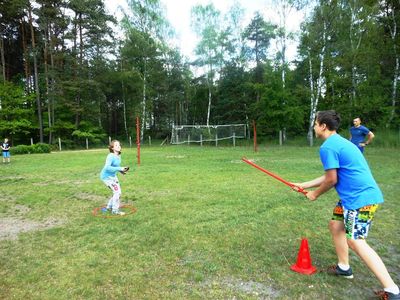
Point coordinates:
[[358, 133], [5, 147], [347, 170]]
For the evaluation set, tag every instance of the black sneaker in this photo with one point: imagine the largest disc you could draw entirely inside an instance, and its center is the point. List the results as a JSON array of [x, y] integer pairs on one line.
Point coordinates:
[[336, 270], [387, 296]]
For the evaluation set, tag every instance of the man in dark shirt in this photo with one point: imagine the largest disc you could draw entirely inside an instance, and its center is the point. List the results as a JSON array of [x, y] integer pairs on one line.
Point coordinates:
[[358, 133]]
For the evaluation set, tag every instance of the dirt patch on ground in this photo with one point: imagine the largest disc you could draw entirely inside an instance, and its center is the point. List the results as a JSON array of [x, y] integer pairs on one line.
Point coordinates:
[[16, 223], [89, 197], [21, 209], [61, 182], [255, 289], [9, 179], [11, 227], [176, 156]]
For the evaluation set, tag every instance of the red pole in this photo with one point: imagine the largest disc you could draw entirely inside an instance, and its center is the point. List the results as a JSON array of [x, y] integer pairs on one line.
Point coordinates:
[[255, 136], [138, 140], [298, 189]]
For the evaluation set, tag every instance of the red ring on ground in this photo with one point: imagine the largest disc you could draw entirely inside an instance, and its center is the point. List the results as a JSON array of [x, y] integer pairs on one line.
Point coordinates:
[[131, 210]]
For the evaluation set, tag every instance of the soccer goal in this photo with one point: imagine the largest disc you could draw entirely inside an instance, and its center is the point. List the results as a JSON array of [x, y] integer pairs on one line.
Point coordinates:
[[187, 134]]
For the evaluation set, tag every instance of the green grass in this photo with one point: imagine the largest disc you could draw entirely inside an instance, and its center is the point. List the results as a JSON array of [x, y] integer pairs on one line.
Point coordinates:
[[207, 226]]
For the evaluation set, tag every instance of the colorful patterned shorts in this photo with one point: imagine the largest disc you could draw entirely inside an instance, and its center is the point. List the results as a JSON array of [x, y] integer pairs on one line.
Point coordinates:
[[357, 222]]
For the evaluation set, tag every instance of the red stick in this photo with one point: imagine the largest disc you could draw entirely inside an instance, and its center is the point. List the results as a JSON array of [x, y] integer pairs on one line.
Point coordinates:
[[138, 140], [295, 187]]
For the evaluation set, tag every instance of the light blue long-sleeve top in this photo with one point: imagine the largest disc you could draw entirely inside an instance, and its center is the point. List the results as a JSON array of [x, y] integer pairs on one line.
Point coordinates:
[[111, 167]]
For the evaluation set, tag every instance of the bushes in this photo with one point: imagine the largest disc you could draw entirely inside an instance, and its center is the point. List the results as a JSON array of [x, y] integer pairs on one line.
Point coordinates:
[[25, 149], [41, 148]]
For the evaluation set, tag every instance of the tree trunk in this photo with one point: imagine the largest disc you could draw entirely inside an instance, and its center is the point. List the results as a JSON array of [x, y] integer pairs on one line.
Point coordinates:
[[34, 50], [310, 134], [283, 73], [124, 105], [209, 82], [315, 96], [283, 9], [394, 91], [3, 61], [143, 101], [209, 104], [52, 81], [46, 74], [26, 59], [355, 35], [393, 34], [79, 75]]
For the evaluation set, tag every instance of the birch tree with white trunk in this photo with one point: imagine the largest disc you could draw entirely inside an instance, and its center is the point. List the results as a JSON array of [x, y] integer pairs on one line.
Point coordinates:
[[316, 91], [146, 17], [206, 22]]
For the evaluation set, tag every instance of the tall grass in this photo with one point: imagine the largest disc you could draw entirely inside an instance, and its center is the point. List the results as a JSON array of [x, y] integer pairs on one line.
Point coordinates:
[[207, 226], [387, 138]]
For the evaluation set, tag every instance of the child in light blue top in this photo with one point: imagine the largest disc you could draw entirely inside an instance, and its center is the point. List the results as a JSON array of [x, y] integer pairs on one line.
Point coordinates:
[[111, 167], [109, 176]]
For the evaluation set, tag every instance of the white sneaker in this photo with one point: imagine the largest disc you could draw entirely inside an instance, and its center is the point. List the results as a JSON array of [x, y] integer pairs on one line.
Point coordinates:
[[119, 213]]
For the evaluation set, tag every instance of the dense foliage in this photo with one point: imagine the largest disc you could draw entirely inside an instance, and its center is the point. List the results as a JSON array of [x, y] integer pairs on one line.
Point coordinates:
[[64, 73], [36, 148]]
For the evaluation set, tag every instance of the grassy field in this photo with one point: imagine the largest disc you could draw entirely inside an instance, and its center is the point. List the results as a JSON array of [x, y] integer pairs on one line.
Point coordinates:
[[207, 226]]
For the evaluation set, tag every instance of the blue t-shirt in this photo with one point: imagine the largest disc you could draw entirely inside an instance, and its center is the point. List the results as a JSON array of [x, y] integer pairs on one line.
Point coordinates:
[[111, 167], [355, 184], [358, 134]]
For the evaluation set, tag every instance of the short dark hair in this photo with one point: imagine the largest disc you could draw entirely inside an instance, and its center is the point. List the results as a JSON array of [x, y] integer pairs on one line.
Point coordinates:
[[330, 118]]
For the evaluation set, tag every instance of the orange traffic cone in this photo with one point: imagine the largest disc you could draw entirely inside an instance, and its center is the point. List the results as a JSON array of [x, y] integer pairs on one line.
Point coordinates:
[[303, 264]]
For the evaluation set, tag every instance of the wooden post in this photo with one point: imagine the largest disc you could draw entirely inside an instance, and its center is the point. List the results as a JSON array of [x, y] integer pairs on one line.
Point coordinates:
[[255, 136], [59, 144]]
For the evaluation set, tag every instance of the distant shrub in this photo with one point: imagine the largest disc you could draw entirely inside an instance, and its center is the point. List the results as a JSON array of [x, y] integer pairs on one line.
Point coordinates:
[[25, 149], [41, 148], [21, 149]]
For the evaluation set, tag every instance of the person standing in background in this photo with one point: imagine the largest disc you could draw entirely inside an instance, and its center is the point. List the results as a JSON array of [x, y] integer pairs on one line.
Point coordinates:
[[358, 133], [5, 147]]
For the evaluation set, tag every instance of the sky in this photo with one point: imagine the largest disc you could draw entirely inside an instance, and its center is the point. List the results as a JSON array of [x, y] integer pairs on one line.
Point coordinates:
[[178, 14]]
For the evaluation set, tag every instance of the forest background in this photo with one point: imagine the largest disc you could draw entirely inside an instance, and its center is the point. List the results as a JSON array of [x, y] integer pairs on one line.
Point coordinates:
[[64, 73]]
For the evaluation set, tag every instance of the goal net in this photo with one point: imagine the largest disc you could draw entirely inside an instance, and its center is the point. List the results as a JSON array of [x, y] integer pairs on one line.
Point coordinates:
[[186, 134]]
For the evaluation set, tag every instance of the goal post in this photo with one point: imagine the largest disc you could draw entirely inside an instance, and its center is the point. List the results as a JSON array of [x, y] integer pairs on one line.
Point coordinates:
[[187, 134]]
